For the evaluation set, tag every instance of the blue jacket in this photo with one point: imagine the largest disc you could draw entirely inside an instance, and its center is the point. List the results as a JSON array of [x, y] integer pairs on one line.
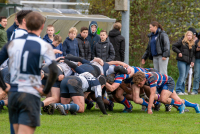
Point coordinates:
[[70, 47], [153, 43], [10, 30], [59, 47], [93, 38], [46, 38]]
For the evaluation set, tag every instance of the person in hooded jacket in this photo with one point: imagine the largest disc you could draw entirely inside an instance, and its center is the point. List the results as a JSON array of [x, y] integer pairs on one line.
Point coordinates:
[[84, 44], [104, 49], [118, 41], [185, 49], [158, 48], [93, 37]]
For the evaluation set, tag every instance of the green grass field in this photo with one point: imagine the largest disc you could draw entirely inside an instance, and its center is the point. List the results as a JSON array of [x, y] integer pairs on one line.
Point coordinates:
[[92, 121]]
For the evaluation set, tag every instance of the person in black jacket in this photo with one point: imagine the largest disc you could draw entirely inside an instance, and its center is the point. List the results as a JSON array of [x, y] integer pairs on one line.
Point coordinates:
[[118, 41], [84, 44], [104, 49], [196, 69], [185, 49], [158, 48]]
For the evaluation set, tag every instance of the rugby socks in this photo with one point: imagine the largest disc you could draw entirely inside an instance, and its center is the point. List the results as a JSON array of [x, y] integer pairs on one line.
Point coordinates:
[[126, 103], [176, 103], [144, 103], [156, 102], [2, 103], [189, 104], [42, 104], [158, 97], [71, 107], [87, 101], [58, 104]]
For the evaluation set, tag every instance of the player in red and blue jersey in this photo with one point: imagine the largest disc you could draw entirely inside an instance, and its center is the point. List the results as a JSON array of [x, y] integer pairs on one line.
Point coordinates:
[[165, 86]]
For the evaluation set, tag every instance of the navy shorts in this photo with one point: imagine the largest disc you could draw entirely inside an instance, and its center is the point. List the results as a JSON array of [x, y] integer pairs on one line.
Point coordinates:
[[56, 84], [24, 108], [169, 85], [71, 86]]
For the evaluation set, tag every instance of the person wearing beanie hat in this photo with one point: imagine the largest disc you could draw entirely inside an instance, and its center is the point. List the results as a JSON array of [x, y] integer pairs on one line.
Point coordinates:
[[193, 30]]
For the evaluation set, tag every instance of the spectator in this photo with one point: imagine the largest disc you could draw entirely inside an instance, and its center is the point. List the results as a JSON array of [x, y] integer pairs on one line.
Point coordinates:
[[56, 44], [84, 44], [104, 49], [3, 34], [197, 62], [158, 48], [118, 41], [70, 45], [50, 34], [93, 37], [185, 49], [12, 28]]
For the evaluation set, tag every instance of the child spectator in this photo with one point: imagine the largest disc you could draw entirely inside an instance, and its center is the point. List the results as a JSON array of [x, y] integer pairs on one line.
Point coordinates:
[[70, 45], [56, 44], [84, 44], [50, 34], [104, 49], [93, 37]]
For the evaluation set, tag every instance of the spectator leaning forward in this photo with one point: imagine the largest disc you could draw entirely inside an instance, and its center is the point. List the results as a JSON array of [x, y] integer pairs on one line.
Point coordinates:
[[158, 48]]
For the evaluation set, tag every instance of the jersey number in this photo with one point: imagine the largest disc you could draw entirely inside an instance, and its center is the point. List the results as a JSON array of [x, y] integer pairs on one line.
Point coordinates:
[[25, 58]]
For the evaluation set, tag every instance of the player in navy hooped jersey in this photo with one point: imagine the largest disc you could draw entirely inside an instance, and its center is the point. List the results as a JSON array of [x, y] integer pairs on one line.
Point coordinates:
[[26, 55], [75, 86], [165, 86]]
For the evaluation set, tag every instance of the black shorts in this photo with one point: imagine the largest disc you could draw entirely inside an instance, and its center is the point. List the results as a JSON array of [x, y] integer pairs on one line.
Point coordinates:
[[71, 86], [56, 84], [24, 108]]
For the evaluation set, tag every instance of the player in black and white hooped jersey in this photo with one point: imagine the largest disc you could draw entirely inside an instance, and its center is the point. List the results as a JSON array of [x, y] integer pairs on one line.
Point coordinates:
[[26, 55]]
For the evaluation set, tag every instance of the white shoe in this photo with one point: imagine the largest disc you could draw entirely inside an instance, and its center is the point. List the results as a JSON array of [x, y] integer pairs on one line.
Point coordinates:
[[180, 93], [185, 93], [194, 93]]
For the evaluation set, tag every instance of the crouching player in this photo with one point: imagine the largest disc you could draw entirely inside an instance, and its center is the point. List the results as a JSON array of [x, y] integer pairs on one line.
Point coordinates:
[[73, 87], [165, 87]]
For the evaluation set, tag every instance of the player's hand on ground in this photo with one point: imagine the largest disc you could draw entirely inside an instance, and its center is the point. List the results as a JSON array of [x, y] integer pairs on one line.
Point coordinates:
[[61, 77], [150, 111]]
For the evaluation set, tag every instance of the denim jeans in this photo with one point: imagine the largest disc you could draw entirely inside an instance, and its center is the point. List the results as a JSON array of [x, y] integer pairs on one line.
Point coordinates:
[[196, 76], [183, 69]]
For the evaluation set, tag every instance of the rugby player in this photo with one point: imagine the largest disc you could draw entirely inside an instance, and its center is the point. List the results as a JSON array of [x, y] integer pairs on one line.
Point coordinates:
[[26, 54], [165, 87]]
